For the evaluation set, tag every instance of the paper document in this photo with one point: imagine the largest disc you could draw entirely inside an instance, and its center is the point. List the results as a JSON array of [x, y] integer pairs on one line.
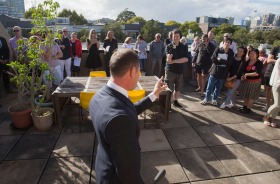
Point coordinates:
[[107, 48], [77, 61], [223, 56]]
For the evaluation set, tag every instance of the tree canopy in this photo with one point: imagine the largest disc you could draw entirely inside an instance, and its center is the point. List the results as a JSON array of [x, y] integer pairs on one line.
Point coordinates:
[[116, 28], [190, 26], [125, 15], [150, 29], [173, 23], [136, 19], [74, 17]]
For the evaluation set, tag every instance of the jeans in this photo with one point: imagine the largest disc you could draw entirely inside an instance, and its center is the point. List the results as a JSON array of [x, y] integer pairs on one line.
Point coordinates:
[[231, 93], [213, 83], [142, 64]]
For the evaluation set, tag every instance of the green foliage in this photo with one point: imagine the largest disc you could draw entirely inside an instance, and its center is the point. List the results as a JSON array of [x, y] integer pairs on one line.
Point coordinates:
[[150, 29], [116, 28], [276, 43], [173, 23], [125, 15], [83, 34], [29, 69], [74, 17], [135, 20], [192, 26], [241, 37]]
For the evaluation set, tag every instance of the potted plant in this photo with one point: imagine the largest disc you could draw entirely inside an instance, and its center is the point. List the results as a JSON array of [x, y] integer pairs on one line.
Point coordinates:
[[29, 76]]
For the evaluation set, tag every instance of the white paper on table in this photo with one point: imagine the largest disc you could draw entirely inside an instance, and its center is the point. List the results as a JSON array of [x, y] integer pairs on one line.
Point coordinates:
[[77, 61], [107, 48], [223, 56]]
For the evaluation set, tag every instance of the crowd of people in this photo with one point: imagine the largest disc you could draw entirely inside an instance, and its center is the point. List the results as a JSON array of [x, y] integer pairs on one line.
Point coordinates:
[[213, 64]]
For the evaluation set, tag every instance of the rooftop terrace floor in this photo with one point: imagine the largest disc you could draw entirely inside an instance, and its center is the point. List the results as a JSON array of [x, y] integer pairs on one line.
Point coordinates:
[[199, 144]]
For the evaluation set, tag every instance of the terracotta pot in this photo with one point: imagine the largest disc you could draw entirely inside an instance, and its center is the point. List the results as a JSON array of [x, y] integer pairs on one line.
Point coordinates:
[[43, 122], [20, 115]]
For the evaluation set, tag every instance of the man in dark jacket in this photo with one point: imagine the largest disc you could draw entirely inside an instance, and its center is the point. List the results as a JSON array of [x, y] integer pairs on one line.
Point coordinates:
[[222, 60], [202, 62], [115, 121]]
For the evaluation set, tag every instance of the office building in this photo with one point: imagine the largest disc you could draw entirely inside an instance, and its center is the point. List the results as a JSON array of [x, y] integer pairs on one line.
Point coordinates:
[[12, 8]]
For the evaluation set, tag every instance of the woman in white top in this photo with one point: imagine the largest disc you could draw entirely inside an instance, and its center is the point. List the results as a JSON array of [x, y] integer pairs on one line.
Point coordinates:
[[127, 43], [269, 118]]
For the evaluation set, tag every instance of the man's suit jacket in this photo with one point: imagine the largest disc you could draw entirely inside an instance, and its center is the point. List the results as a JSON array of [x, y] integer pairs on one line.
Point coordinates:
[[117, 128]]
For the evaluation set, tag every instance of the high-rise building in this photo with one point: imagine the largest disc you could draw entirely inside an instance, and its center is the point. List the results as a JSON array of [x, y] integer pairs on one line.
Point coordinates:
[[13, 8], [207, 23], [268, 19]]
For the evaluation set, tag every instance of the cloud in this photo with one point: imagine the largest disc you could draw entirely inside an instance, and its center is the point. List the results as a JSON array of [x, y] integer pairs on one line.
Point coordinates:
[[164, 10]]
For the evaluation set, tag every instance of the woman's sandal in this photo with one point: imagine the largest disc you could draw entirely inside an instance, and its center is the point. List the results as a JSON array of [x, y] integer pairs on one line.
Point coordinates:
[[266, 122], [197, 90]]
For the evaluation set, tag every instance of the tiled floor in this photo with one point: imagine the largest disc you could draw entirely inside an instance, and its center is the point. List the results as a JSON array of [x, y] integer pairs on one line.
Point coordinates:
[[198, 144]]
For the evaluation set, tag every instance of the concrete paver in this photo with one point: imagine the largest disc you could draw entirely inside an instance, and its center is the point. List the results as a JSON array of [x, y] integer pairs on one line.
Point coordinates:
[[152, 162], [21, 171], [33, 147], [201, 164], [67, 170], [214, 135], [76, 144], [185, 137], [238, 160], [270, 178]]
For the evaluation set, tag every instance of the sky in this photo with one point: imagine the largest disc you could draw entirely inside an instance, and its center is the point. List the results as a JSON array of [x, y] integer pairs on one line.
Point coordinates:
[[165, 10]]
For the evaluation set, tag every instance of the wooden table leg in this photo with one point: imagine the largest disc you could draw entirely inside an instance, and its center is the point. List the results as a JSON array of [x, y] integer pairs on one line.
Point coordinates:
[[57, 113]]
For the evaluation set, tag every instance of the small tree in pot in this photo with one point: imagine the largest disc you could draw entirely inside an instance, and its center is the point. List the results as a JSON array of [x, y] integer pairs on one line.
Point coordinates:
[[29, 75]]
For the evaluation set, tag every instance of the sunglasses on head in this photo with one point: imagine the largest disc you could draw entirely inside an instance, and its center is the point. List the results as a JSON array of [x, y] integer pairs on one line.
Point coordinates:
[[16, 30]]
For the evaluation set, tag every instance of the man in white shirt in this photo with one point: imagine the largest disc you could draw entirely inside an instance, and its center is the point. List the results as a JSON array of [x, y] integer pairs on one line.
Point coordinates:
[[116, 123], [233, 44]]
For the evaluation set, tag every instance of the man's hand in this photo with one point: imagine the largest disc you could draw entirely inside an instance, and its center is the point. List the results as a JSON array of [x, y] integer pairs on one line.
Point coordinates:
[[159, 87], [169, 58], [193, 65]]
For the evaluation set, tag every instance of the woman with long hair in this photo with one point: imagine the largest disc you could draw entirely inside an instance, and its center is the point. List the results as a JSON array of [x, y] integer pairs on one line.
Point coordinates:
[[110, 45], [235, 73], [93, 61]]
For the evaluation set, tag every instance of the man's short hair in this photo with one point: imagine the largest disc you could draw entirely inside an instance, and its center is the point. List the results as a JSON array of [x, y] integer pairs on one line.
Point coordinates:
[[204, 36], [123, 60], [177, 31], [228, 39]]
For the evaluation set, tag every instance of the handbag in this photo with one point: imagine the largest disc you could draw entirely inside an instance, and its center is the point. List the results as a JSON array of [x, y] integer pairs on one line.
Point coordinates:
[[230, 84]]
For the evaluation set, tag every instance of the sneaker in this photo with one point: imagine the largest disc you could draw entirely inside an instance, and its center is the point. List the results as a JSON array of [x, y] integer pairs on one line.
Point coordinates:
[[223, 105], [214, 102], [204, 102], [176, 104], [231, 105]]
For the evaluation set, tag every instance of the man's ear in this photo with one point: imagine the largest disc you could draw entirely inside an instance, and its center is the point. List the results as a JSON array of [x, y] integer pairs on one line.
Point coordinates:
[[132, 71]]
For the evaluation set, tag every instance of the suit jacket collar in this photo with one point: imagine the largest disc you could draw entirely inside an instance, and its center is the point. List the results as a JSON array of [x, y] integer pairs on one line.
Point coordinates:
[[118, 95]]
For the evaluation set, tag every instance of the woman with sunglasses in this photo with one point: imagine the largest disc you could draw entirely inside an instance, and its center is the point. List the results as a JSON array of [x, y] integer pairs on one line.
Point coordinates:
[[93, 61]]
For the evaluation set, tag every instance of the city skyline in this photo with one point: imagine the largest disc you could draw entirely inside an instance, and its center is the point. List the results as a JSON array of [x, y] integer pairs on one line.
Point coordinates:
[[163, 10]]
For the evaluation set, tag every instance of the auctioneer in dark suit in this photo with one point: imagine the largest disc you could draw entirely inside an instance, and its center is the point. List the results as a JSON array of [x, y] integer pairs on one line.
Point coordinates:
[[116, 125]]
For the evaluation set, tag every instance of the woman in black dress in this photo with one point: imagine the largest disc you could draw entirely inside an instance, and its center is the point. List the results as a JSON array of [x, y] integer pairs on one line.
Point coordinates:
[[93, 60]]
